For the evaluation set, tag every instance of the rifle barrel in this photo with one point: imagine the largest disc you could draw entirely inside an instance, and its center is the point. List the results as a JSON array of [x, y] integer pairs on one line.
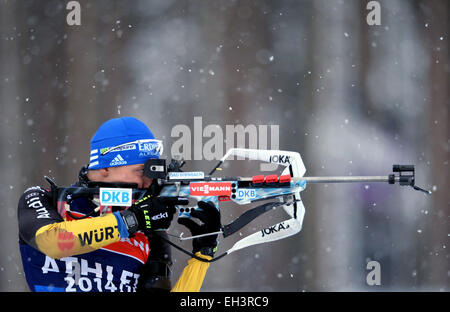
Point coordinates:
[[339, 179], [344, 179]]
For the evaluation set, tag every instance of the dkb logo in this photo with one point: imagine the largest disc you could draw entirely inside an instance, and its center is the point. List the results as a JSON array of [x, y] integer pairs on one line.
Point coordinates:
[[115, 197]]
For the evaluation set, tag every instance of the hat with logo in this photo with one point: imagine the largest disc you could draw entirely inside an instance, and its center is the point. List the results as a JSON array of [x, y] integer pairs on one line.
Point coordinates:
[[123, 141]]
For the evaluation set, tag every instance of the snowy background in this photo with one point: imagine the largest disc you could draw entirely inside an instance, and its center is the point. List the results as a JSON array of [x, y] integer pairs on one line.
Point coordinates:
[[353, 99]]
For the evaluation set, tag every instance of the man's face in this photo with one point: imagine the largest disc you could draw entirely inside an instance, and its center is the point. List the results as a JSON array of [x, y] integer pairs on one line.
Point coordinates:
[[128, 174]]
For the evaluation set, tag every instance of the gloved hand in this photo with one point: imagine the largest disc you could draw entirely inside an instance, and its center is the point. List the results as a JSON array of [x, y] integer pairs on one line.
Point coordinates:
[[210, 216], [150, 214]]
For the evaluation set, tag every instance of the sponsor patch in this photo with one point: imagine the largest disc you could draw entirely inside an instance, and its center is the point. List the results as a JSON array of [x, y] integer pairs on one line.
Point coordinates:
[[186, 175], [246, 194], [97, 235], [66, 241], [41, 211], [160, 216], [118, 161], [280, 159], [118, 149], [148, 146], [115, 196], [210, 188], [274, 229]]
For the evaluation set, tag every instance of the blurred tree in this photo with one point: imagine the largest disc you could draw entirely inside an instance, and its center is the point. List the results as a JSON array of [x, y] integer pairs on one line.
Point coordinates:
[[433, 261]]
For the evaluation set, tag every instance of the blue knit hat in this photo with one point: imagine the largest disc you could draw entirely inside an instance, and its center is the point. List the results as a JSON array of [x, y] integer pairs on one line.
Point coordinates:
[[123, 141]]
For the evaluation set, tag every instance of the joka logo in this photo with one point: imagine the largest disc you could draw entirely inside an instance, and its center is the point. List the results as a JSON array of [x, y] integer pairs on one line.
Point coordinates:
[[210, 189], [274, 229], [115, 197], [280, 159], [118, 161]]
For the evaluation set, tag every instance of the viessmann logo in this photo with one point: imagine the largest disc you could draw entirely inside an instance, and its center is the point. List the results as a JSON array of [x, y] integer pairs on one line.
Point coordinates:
[[211, 189]]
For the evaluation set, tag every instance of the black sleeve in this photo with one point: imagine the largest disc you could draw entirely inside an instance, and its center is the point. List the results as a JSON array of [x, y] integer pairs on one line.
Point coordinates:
[[156, 272], [35, 210]]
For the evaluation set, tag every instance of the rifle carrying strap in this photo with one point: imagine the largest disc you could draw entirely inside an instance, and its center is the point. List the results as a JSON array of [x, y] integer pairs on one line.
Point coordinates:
[[247, 217]]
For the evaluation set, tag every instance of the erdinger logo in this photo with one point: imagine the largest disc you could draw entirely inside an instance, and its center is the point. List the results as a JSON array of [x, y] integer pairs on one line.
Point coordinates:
[[210, 189], [148, 146], [280, 159], [274, 229]]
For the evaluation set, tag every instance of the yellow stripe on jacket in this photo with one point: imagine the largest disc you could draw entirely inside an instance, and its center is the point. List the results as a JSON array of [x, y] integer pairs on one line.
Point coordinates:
[[67, 238]]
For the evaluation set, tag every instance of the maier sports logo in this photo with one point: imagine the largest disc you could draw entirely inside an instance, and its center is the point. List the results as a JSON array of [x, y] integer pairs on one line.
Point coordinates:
[[210, 189]]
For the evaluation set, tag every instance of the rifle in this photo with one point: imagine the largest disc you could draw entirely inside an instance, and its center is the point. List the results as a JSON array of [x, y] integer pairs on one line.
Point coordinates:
[[191, 187]]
